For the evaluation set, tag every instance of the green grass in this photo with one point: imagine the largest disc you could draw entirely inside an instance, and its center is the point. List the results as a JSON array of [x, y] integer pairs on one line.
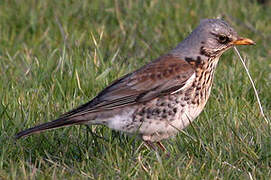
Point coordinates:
[[56, 55]]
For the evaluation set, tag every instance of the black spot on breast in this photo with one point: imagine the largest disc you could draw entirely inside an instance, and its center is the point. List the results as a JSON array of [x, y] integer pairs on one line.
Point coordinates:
[[194, 102], [163, 104], [194, 84], [175, 110], [164, 116], [200, 76]]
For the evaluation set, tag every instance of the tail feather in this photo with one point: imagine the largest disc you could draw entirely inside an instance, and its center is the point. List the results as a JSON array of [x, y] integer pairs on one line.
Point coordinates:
[[49, 125]]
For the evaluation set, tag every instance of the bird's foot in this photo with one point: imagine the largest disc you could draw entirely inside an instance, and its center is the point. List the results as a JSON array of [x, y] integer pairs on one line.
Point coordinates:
[[158, 145]]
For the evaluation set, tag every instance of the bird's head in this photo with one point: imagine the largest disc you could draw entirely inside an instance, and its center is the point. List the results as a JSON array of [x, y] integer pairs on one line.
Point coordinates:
[[217, 36], [210, 39]]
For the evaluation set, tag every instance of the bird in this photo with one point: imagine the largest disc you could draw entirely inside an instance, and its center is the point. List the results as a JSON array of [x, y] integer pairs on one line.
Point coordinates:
[[162, 97]]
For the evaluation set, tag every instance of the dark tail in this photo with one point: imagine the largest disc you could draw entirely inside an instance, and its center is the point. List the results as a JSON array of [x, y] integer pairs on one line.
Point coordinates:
[[50, 125]]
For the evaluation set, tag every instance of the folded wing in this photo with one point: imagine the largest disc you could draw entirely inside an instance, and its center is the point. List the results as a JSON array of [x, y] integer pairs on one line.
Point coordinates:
[[165, 75]]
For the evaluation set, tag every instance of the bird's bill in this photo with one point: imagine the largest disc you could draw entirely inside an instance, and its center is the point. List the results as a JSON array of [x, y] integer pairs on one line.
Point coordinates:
[[243, 41]]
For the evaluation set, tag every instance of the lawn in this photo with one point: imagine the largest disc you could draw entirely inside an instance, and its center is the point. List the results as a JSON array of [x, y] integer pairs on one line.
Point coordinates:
[[56, 55]]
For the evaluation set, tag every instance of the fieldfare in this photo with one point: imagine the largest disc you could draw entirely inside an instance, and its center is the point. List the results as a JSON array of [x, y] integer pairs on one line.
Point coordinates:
[[162, 97]]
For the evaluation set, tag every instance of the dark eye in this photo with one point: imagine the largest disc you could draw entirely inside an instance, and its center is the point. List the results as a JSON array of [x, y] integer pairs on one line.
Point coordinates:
[[223, 39]]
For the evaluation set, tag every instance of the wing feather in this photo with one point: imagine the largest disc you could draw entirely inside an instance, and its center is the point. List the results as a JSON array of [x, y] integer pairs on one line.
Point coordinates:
[[163, 76]]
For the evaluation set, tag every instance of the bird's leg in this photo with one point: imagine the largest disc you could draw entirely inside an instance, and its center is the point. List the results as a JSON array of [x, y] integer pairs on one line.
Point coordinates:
[[150, 145], [161, 146]]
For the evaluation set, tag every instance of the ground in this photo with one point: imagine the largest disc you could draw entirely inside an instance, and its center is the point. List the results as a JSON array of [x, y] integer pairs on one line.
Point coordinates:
[[56, 55]]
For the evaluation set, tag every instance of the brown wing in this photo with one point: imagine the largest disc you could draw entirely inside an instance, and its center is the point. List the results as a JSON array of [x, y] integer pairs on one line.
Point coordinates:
[[162, 76]]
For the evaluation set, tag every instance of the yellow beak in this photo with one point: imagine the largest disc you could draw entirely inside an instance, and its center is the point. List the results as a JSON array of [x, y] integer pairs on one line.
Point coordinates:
[[243, 41]]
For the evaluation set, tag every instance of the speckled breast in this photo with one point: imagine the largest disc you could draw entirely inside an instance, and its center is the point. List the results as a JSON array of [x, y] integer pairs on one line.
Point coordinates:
[[165, 116], [197, 95]]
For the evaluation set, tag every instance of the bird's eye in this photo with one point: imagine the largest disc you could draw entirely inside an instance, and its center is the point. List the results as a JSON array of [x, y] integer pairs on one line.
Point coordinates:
[[223, 39]]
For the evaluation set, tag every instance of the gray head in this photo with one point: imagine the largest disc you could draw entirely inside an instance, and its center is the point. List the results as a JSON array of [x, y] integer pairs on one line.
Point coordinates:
[[210, 39]]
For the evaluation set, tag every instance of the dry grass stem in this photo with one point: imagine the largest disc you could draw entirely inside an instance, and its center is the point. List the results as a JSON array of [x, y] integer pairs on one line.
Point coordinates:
[[253, 85]]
